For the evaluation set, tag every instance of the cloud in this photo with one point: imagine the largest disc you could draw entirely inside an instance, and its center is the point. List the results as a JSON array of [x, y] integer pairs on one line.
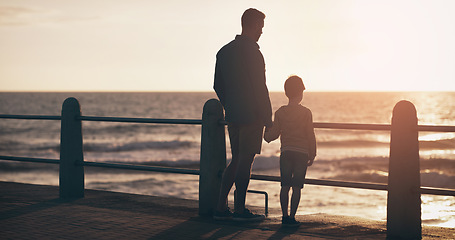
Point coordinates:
[[14, 15], [20, 16]]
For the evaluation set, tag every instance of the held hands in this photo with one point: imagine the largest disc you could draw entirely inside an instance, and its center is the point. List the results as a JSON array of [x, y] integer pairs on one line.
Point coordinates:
[[310, 162], [267, 138]]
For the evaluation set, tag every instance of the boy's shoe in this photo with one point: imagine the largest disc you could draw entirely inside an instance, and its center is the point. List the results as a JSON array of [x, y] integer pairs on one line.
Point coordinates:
[[226, 215], [247, 216], [289, 222]]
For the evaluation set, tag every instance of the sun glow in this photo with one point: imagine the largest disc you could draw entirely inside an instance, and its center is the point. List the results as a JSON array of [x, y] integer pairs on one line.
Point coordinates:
[[170, 46]]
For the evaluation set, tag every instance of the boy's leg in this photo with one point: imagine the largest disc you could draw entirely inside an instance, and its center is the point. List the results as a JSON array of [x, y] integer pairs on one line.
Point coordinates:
[[286, 181], [300, 169], [295, 199], [284, 200]]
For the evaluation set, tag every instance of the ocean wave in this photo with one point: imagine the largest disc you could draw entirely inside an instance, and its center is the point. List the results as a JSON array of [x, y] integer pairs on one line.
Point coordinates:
[[97, 147], [24, 143], [9, 130], [121, 128], [12, 145], [427, 179], [351, 143], [437, 144], [136, 146], [433, 172], [437, 179], [423, 144]]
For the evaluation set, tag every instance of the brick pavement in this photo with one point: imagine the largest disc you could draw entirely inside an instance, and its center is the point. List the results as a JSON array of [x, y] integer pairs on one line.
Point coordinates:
[[35, 212]]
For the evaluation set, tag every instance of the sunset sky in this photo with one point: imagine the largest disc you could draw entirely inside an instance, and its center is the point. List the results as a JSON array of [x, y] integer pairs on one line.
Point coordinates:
[[139, 45]]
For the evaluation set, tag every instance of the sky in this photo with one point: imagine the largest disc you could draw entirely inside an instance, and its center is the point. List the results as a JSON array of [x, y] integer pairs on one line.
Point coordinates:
[[151, 45]]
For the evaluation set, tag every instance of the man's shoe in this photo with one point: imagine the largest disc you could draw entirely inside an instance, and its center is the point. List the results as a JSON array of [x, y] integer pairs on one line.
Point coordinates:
[[289, 222], [247, 216], [225, 215]]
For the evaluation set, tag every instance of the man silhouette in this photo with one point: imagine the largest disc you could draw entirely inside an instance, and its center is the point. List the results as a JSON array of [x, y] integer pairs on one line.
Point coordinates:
[[241, 88]]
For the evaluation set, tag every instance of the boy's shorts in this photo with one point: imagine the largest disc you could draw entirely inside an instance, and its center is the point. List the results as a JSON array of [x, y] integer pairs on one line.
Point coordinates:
[[293, 166], [245, 139]]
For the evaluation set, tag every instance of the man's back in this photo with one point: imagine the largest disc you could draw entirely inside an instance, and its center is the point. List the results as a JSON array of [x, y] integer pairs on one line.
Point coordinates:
[[240, 82]]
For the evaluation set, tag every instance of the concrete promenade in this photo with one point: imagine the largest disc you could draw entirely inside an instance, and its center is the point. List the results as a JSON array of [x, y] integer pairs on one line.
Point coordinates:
[[36, 212]]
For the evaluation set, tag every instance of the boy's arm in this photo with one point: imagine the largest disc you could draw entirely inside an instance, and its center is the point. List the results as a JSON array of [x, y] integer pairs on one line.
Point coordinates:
[[312, 139]]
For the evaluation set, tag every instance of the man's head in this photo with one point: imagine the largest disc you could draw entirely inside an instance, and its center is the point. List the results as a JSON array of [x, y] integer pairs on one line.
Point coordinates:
[[293, 87], [252, 23]]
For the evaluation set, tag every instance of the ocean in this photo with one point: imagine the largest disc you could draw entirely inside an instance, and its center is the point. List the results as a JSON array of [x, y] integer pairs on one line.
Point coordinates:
[[353, 155]]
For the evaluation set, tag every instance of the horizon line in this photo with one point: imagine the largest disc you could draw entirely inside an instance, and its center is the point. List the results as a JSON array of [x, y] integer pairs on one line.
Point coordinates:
[[211, 91]]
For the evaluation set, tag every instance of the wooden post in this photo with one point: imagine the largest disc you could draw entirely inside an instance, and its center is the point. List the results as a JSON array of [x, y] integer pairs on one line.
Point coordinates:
[[213, 156], [71, 153], [403, 200]]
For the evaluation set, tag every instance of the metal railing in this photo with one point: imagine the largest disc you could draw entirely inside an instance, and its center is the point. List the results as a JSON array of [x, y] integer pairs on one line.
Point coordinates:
[[213, 152], [320, 182]]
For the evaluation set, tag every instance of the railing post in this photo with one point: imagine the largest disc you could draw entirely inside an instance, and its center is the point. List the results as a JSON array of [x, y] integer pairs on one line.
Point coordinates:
[[71, 153], [403, 200], [213, 156]]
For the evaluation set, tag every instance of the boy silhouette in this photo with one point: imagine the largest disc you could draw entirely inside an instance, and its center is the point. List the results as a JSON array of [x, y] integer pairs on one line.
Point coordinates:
[[294, 123]]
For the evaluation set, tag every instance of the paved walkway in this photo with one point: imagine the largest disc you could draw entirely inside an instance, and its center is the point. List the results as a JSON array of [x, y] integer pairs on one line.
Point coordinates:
[[35, 212]]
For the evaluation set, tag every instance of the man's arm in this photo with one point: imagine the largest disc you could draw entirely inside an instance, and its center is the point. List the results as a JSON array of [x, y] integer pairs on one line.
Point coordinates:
[[218, 84], [260, 91], [272, 133]]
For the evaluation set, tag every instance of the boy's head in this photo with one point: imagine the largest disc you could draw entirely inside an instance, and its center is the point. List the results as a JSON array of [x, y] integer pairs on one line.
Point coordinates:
[[293, 87]]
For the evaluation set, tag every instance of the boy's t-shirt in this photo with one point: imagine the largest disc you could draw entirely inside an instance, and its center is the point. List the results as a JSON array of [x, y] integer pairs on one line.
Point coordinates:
[[294, 123]]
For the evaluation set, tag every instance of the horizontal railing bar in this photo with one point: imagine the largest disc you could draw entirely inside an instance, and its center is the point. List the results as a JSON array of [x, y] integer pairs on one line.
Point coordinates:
[[380, 127], [359, 126], [142, 168], [28, 159], [437, 191], [141, 120], [353, 126], [360, 185], [434, 128], [31, 117], [333, 183]]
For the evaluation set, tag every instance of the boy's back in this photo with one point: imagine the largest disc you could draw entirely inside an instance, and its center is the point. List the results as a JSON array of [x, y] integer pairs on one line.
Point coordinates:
[[295, 125]]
